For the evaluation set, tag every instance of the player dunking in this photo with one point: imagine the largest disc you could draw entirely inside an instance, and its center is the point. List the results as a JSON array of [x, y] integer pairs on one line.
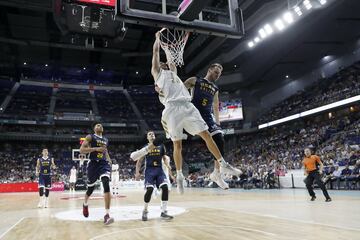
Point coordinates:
[[43, 171], [154, 174], [72, 179], [205, 97], [99, 167], [180, 113]]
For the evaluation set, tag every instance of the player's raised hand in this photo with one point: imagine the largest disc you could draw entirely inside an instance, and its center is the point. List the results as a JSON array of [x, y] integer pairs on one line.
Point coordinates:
[[157, 35]]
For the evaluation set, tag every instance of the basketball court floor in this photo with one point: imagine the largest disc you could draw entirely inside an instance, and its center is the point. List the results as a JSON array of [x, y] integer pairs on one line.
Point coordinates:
[[199, 214]]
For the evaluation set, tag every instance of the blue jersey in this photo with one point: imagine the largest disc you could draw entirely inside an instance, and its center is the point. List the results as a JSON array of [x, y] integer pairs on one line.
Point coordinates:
[[97, 141], [154, 157], [45, 166], [203, 97]]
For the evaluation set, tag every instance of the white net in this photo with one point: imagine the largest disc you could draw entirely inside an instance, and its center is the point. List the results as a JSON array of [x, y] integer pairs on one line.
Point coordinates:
[[173, 42]]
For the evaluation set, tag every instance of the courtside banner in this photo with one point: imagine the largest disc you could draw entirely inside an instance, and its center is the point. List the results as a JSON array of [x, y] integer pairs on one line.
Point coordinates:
[[57, 186], [19, 187], [28, 187]]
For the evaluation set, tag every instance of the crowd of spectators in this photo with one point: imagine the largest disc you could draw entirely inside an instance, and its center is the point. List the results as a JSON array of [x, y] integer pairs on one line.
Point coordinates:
[[344, 84]]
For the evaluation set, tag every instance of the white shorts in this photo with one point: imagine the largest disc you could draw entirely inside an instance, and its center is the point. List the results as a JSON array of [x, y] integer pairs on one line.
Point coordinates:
[[178, 116], [72, 180]]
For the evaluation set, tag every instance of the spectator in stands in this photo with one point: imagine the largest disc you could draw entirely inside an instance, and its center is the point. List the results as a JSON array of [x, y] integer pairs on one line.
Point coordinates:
[[354, 177], [336, 177], [345, 175]]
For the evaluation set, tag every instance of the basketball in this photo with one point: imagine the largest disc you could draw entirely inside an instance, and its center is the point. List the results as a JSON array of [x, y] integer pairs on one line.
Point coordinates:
[[198, 120]]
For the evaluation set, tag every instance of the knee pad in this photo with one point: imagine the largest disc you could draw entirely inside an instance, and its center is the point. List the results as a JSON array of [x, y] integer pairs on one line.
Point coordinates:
[[148, 194], [47, 191], [220, 142], [165, 192], [90, 190], [105, 181]]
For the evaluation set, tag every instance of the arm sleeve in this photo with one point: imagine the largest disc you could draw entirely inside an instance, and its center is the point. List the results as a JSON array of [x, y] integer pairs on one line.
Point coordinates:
[[139, 153]]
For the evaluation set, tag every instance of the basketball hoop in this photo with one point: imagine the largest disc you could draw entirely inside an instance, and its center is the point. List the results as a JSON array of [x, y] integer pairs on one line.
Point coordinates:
[[173, 42]]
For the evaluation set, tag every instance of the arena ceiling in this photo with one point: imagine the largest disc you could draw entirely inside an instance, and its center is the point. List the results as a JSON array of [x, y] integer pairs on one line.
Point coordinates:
[[28, 33]]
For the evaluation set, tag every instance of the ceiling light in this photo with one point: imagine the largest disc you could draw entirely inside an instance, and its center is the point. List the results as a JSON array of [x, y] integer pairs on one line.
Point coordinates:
[[298, 10], [322, 2], [251, 44], [307, 4], [262, 33], [46, 65], [288, 17], [257, 39], [268, 29], [279, 24]]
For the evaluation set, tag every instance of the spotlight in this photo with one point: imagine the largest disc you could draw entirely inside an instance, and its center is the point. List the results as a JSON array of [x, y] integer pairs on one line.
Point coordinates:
[[251, 44], [46, 65], [84, 68], [287, 76], [257, 39], [298, 10], [288, 17], [102, 69], [268, 29], [137, 73], [307, 4], [279, 24], [322, 2], [25, 63], [262, 33]]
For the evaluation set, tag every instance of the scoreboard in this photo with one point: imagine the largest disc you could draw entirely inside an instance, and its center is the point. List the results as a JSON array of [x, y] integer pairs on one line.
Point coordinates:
[[110, 3]]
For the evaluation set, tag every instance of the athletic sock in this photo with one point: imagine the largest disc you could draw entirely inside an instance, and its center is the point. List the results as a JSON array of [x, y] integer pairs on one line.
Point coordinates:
[[146, 206], [220, 159], [164, 206], [85, 204], [179, 172], [107, 211]]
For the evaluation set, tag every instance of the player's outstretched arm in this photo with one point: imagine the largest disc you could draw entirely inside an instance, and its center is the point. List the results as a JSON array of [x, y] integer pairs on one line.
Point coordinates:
[[108, 157], [216, 108], [53, 163], [37, 171], [190, 82], [155, 66], [142, 152], [137, 169]]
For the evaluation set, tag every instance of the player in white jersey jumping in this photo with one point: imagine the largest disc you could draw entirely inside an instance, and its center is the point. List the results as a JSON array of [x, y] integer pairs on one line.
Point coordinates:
[[72, 179], [180, 114]]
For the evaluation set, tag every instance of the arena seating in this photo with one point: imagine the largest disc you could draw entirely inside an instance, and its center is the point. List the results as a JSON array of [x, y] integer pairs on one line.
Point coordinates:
[[344, 84]]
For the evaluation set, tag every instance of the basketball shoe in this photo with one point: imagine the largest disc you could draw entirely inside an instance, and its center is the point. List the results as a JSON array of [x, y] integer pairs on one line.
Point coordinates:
[[108, 220], [215, 176], [86, 211], [180, 183], [226, 168]]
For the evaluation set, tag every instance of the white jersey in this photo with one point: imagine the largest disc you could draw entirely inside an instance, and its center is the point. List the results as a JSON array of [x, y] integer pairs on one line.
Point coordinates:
[[73, 175], [172, 89]]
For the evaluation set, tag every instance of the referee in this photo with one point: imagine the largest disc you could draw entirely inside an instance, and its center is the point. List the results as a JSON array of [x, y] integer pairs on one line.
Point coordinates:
[[312, 173]]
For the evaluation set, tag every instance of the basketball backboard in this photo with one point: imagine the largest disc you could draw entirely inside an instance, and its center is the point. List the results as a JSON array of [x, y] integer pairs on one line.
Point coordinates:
[[77, 156], [213, 17]]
